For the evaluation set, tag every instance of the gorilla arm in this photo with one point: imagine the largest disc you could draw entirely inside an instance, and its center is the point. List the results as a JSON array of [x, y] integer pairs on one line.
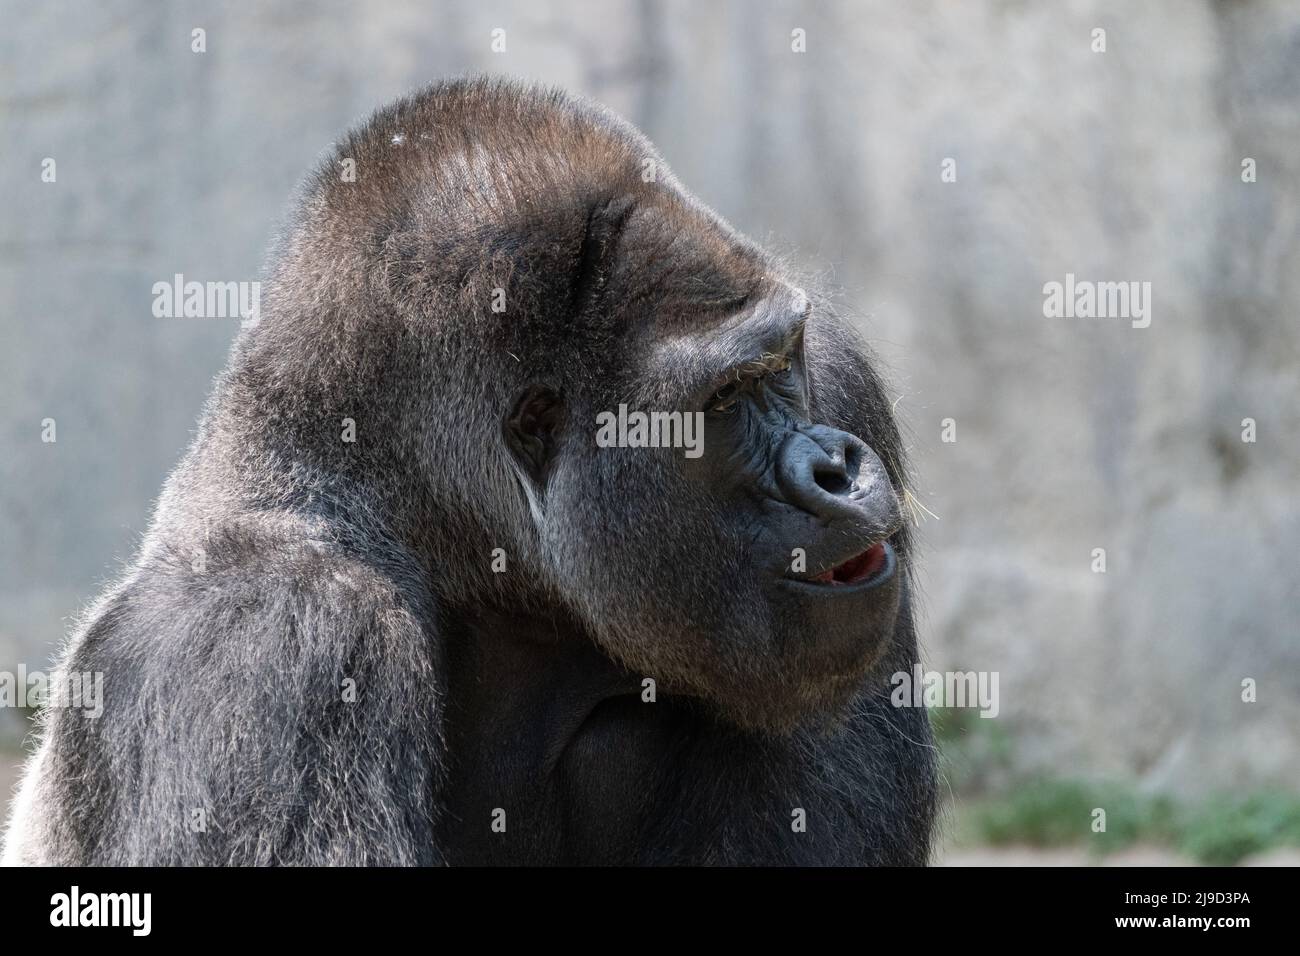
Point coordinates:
[[281, 706]]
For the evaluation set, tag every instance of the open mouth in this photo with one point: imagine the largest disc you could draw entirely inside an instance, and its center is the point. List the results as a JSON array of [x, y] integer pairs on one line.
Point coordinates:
[[874, 564]]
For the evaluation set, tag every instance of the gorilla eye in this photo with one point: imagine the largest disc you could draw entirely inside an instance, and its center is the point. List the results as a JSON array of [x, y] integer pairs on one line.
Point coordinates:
[[725, 398]]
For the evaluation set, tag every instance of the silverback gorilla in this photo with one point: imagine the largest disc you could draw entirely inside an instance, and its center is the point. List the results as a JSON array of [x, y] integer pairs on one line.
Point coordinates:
[[397, 605]]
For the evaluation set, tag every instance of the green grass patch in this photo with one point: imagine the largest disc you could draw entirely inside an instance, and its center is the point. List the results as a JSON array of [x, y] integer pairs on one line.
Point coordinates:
[[1222, 830]]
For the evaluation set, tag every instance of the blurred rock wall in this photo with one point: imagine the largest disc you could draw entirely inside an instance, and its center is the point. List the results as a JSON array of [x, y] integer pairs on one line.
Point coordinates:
[[1071, 434]]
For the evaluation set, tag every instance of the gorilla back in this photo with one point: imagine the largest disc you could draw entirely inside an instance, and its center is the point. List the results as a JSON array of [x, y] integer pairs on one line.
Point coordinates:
[[398, 604]]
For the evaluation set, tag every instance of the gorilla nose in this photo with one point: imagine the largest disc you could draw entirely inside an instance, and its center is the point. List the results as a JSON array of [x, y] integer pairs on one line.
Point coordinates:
[[835, 476]]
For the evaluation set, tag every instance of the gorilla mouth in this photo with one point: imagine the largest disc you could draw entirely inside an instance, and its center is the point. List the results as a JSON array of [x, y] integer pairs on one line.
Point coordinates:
[[875, 565]]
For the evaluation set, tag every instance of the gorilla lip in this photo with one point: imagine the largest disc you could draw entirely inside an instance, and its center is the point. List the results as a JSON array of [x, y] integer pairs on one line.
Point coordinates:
[[874, 564]]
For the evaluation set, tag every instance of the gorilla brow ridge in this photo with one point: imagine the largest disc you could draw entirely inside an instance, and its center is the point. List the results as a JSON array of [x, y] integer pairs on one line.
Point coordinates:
[[606, 222]]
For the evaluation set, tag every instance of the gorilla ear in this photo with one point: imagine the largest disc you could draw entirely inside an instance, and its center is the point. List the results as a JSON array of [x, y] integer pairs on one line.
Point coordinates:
[[531, 427]]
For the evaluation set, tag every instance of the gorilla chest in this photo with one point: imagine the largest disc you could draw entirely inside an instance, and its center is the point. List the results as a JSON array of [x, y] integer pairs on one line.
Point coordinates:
[[552, 758]]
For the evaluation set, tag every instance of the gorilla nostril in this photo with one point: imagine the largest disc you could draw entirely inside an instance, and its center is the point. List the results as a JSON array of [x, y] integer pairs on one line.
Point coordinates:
[[831, 476], [852, 461]]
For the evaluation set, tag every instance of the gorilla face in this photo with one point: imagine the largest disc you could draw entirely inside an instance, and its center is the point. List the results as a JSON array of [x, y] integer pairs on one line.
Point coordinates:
[[761, 575], [522, 276]]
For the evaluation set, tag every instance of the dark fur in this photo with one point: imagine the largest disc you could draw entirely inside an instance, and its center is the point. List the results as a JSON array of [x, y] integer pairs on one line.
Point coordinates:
[[327, 561]]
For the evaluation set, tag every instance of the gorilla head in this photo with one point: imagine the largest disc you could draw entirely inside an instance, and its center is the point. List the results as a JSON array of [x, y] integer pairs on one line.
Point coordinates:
[[401, 484], [528, 262]]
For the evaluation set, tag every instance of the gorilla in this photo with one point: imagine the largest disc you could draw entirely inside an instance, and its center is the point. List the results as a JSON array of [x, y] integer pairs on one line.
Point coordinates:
[[397, 605]]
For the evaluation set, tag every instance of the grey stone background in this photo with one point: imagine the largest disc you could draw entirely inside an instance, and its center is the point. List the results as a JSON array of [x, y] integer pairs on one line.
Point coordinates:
[[1071, 434]]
